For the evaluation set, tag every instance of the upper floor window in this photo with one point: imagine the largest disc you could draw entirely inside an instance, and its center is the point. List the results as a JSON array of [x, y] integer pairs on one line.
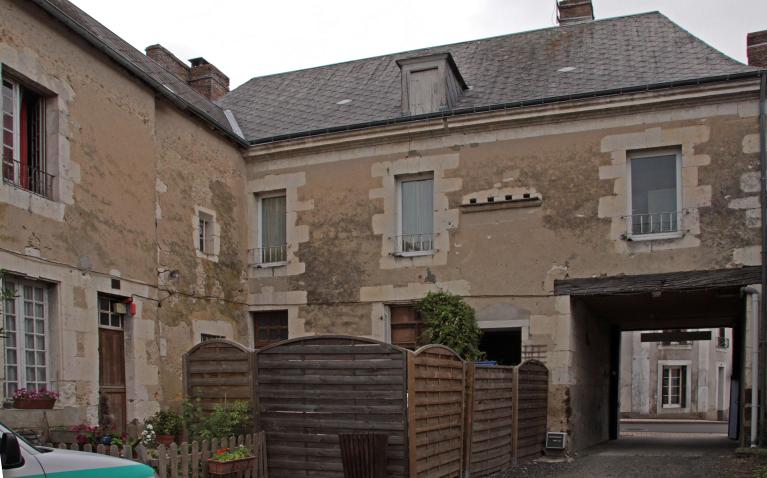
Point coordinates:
[[206, 234], [26, 322], [23, 143], [655, 195], [415, 231], [272, 238]]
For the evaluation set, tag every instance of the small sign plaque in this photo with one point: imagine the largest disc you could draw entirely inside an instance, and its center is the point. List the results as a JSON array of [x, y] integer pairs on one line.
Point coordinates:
[[555, 440]]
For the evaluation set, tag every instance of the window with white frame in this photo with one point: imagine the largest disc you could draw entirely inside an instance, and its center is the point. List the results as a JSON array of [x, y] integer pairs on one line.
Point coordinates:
[[205, 233], [415, 228], [272, 236], [26, 322], [674, 386], [655, 193], [23, 142]]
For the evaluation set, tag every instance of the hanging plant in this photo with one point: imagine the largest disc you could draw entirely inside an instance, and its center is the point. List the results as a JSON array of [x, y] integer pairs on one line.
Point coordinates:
[[450, 321]]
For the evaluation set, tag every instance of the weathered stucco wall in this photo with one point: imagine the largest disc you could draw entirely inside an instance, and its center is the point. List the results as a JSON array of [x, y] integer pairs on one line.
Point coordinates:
[[129, 170], [510, 257]]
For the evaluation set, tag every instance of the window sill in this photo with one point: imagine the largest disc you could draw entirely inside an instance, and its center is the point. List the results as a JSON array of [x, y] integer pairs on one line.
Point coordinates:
[[267, 265], [415, 254], [675, 347], [654, 237], [672, 407], [203, 255]]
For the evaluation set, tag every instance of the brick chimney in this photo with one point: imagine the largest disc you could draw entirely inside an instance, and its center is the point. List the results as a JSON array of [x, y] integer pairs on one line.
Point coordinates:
[[756, 47], [205, 78], [574, 11]]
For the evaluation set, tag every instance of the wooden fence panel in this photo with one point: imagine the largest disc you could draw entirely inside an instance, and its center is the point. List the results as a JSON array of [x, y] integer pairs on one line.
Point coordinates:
[[219, 371], [435, 412], [531, 408], [313, 388], [488, 430]]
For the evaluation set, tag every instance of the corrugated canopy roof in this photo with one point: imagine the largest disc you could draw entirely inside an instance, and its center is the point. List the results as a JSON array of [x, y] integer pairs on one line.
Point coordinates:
[[605, 54]]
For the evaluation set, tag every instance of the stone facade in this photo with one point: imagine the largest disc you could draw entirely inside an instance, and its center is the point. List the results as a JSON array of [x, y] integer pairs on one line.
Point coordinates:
[[129, 171], [135, 175]]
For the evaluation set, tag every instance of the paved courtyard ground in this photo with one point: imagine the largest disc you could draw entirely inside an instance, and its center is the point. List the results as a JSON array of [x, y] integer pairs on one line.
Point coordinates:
[[652, 454]]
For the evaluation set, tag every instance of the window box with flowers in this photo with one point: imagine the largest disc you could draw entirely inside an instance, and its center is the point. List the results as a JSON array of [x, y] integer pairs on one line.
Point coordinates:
[[230, 460], [34, 399]]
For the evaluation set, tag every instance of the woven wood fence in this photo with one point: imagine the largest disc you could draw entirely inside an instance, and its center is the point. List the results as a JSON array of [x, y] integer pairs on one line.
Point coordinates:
[[187, 460], [312, 389], [489, 419], [531, 403], [219, 371], [443, 417]]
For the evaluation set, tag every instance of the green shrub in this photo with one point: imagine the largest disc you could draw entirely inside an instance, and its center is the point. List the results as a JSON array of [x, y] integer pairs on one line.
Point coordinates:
[[165, 422], [450, 321], [224, 421]]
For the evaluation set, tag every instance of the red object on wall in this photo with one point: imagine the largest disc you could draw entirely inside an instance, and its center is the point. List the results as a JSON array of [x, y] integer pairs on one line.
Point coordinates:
[[132, 308]]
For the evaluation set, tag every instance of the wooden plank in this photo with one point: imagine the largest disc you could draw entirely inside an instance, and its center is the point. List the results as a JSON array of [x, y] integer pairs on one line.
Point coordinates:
[[687, 280]]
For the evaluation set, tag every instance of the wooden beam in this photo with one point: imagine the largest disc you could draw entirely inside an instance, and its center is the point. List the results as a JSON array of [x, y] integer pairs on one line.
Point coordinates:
[[675, 336], [688, 280]]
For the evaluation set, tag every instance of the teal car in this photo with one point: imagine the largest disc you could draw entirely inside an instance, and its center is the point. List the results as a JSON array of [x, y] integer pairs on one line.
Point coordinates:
[[20, 458]]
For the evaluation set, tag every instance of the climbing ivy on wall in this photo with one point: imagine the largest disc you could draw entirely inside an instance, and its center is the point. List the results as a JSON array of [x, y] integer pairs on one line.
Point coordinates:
[[450, 321]]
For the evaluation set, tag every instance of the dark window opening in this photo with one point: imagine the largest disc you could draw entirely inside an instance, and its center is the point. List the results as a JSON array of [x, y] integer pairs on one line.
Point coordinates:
[[270, 327], [502, 346], [206, 337]]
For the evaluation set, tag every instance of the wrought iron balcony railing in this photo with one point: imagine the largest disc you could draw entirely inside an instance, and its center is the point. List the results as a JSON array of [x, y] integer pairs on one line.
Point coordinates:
[[28, 178], [269, 255]]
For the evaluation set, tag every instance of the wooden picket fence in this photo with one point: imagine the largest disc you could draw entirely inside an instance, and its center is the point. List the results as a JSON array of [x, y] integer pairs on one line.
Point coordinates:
[[187, 460]]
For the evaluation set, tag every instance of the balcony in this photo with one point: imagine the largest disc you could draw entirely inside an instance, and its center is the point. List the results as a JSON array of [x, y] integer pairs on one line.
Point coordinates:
[[268, 256], [656, 224], [410, 245], [28, 178]]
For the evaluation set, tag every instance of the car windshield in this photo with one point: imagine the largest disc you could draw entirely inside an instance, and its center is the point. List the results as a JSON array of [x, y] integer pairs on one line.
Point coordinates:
[[5, 429]]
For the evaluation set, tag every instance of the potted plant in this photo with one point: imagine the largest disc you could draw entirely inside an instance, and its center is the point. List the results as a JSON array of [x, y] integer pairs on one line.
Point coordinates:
[[166, 424], [35, 399], [230, 460]]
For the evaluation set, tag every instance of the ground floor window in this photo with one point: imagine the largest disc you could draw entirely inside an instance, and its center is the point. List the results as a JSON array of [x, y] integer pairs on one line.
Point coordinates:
[[406, 326], [270, 327], [674, 387], [26, 317]]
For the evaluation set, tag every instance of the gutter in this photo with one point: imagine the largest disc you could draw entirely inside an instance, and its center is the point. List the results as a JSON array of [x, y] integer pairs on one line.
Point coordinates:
[[763, 201], [132, 68], [509, 106]]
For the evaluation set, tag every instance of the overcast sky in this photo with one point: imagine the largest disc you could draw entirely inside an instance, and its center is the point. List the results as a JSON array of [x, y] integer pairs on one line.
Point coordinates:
[[247, 38]]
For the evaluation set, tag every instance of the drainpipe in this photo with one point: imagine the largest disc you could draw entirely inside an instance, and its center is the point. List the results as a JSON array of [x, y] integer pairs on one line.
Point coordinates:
[[763, 164], [754, 360]]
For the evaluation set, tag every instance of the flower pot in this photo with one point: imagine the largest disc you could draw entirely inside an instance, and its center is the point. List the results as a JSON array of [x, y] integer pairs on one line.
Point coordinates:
[[34, 403], [165, 439], [219, 468]]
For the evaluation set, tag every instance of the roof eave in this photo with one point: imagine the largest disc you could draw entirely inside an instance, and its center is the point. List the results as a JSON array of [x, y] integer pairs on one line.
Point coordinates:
[[156, 85]]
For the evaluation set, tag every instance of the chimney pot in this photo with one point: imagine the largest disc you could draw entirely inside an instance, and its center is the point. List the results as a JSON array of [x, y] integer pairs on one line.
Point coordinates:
[[756, 48], [574, 11]]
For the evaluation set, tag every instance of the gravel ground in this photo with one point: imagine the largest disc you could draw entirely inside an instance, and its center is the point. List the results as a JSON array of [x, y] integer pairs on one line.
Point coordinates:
[[650, 455]]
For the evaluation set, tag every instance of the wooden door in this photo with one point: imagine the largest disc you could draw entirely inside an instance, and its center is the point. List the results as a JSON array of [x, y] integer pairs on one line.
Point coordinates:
[[112, 412], [405, 326]]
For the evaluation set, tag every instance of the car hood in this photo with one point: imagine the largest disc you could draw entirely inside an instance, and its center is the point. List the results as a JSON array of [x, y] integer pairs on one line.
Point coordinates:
[[76, 464]]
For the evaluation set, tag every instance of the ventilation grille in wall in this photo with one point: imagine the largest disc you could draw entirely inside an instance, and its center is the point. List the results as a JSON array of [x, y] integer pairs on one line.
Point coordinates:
[[501, 201]]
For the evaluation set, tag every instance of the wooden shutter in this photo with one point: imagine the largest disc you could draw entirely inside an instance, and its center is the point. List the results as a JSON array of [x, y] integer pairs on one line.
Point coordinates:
[[406, 326]]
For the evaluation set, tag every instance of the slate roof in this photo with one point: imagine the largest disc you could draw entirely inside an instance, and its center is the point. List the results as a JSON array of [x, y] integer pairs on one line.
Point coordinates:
[[164, 82], [606, 54]]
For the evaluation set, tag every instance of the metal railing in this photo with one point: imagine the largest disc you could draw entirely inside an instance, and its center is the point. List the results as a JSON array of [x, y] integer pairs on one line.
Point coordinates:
[[29, 178], [654, 223], [410, 243], [269, 254]]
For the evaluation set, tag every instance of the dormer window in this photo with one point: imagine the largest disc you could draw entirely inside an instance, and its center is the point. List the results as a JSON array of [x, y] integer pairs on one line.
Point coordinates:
[[430, 83]]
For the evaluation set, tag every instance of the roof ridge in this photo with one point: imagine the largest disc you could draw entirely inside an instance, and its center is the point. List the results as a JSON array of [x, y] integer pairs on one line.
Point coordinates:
[[445, 45]]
